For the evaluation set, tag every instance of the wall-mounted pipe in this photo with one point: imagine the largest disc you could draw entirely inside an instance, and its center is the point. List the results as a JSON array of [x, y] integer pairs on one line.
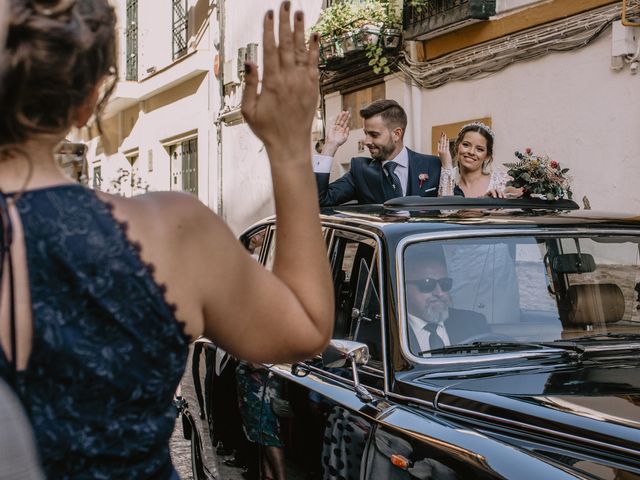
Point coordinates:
[[625, 21]]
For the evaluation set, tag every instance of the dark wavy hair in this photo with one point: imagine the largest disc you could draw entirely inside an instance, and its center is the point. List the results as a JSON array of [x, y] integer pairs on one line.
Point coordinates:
[[56, 53], [390, 111]]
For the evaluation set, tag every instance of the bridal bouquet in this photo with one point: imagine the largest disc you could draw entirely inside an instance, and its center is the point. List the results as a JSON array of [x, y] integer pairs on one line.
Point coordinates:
[[539, 176]]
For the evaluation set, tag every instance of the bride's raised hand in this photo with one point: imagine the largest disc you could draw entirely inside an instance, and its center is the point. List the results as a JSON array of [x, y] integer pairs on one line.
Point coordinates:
[[282, 112], [443, 151]]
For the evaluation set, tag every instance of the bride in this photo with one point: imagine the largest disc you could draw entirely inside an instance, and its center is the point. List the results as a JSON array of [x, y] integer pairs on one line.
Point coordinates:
[[475, 176], [485, 275]]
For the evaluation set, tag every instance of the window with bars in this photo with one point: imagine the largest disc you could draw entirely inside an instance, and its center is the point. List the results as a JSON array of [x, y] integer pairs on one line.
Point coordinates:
[[179, 28], [132, 39], [97, 177], [184, 165]]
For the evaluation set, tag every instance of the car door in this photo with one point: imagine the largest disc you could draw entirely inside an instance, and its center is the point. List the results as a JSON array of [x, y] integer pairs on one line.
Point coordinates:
[[328, 432]]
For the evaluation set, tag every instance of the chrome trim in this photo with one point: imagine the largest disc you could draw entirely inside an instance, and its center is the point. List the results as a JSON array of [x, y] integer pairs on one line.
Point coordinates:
[[383, 315], [465, 374], [546, 431], [342, 380], [408, 400], [372, 370], [494, 232]]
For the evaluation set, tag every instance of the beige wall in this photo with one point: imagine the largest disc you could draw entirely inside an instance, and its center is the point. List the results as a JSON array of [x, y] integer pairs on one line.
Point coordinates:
[[571, 105]]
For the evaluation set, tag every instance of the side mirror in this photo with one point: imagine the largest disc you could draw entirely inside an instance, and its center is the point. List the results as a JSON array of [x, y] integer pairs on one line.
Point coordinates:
[[339, 352]]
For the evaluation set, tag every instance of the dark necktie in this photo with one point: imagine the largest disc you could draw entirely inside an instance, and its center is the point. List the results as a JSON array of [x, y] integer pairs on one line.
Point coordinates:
[[435, 340], [393, 187]]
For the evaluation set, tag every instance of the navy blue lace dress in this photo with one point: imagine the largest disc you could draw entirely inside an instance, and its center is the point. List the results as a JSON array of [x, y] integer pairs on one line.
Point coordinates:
[[107, 352]]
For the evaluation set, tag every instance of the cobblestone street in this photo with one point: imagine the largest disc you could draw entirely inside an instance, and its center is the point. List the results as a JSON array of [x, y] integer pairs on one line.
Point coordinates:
[[181, 453], [181, 457], [181, 448]]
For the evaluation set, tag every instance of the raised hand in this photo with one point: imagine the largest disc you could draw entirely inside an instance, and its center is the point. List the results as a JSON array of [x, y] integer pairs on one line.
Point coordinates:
[[281, 114], [443, 151], [337, 133]]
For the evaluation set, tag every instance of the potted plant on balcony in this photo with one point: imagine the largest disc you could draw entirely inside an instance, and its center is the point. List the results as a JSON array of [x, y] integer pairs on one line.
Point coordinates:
[[419, 6], [356, 26]]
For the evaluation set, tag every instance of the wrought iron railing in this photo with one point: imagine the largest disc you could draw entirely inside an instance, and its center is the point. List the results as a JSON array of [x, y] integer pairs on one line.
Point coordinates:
[[424, 17], [179, 28], [131, 33]]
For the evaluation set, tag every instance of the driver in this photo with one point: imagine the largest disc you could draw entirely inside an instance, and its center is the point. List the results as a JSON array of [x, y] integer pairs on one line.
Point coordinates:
[[432, 321]]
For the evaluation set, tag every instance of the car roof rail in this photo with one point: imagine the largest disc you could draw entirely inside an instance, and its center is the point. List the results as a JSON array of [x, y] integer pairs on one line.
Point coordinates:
[[458, 203]]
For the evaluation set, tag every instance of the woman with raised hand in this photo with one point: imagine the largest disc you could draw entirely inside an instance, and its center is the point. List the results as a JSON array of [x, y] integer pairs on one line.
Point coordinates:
[[470, 173], [100, 295]]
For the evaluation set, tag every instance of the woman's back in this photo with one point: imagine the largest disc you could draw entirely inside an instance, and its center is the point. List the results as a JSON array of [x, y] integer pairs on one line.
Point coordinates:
[[95, 350], [102, 408]]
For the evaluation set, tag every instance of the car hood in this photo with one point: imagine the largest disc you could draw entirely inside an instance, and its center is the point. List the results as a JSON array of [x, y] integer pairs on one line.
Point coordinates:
[[580, 403]]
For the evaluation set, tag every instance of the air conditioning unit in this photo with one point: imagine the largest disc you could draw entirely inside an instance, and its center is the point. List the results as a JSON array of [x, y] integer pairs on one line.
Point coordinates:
[[230, 72], [252, 53], [242, 55]]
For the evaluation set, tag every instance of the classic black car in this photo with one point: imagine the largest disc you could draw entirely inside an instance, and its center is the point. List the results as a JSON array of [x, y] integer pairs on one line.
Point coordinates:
[[530, 367]]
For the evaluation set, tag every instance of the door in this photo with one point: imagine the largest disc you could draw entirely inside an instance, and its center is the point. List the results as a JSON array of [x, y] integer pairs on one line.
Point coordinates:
[[329, 427]]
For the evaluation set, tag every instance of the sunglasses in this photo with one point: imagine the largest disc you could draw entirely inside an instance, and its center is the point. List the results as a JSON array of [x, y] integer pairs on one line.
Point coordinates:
[[428, 285]]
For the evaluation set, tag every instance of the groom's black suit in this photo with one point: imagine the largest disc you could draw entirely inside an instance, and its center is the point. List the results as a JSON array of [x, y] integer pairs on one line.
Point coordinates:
[[364, 180]]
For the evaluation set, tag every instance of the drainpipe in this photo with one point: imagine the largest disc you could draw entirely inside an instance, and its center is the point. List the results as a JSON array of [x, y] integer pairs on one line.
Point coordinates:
[[218, 122]]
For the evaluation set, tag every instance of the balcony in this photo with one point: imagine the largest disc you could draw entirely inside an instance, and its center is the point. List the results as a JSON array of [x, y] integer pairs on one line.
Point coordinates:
[[129, 93], [429, 19]]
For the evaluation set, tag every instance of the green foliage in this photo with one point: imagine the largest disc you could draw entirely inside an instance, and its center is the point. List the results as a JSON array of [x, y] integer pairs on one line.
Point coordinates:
[[128, 182], [539, 176], [371, 17], [377, 60], [343, 17], [419, 6]]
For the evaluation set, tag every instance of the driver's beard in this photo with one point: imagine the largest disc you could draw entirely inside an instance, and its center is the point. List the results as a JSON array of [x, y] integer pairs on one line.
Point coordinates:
[[436, 315]]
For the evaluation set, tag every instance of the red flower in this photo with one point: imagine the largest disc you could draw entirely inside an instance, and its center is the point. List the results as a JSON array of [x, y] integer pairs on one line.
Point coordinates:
[[423, 177], [528, 150], [553, 164]]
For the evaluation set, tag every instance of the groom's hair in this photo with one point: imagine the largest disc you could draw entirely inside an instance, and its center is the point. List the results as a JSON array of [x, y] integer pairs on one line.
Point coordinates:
[[391, 112]]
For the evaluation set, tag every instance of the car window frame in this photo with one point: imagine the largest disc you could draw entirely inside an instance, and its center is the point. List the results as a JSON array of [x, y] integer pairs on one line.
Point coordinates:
[[333, 233], [479, 233]]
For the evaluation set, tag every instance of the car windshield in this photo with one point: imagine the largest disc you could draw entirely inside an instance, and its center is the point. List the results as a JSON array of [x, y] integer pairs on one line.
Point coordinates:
[[520, 289]]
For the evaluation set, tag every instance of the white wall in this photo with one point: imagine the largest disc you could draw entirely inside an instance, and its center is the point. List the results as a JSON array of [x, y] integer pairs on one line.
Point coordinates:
[[571, 106], [246, 179], [247, 193], [506, 5], [194, 111]]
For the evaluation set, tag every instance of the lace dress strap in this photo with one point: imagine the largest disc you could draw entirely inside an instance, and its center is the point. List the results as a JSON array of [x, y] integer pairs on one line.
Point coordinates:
[[5, 249]]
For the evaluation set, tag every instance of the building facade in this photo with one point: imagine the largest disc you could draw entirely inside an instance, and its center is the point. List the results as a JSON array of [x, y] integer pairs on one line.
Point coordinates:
[[558, 76], [173, 121]]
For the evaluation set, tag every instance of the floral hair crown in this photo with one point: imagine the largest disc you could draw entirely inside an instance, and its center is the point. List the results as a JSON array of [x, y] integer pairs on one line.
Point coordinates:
[[480, 125]]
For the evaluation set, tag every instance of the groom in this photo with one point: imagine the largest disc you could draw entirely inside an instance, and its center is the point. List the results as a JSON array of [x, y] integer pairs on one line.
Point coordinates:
[[392, 170]]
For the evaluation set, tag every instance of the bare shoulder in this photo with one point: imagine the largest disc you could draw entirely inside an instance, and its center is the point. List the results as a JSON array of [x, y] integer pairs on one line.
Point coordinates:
[[165, 213]]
